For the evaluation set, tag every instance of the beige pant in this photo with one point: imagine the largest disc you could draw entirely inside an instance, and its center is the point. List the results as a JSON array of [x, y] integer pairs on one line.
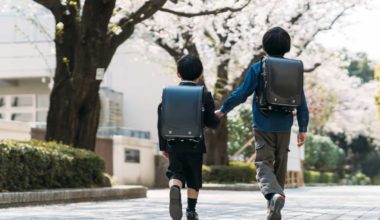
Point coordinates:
[[271, 160]]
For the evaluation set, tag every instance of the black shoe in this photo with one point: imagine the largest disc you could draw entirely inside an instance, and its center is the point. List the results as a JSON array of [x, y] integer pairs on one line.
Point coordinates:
[[275, 206], [175, 205], [192, 215]]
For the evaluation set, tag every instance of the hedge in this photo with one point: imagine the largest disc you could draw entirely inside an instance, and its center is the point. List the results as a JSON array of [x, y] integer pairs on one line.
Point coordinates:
[[31, 165], [236, 172], [320, 177], [311, 176]]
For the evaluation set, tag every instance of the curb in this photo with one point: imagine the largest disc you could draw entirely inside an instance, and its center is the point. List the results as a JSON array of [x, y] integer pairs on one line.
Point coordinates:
[[43, 197], [231, 187]]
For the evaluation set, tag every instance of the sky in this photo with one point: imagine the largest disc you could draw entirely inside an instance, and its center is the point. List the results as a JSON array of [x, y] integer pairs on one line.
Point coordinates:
[[358, 31]]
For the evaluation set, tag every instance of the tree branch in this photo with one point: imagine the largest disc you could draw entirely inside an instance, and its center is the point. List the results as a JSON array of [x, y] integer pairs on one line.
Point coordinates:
[[320, 29], [54, 6], [311, 69], [207, 12], [238, 80], [175, 54], [127, 24], [297, 17]]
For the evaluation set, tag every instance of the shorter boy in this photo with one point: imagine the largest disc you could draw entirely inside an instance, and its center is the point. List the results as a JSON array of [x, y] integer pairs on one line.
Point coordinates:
[[186, 157]]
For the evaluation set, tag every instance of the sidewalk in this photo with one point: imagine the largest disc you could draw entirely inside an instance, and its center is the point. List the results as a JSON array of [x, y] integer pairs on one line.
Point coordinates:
[[317, 203]]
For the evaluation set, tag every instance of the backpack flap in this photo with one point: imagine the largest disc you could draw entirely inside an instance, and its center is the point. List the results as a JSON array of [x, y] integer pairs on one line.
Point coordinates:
[[182, 112], [285, 81]]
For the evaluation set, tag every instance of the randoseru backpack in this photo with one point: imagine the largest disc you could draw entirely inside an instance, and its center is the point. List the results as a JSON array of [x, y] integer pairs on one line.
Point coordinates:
[[280, 85], [182, 113]]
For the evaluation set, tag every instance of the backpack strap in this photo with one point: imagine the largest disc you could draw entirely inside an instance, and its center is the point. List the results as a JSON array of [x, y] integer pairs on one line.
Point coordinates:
[[260, 87]]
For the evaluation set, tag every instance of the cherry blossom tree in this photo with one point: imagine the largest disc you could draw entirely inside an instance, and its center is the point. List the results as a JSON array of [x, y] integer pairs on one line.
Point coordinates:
[[355, 111], [87, 35], [231, 42], [377, 77], [321, 102]]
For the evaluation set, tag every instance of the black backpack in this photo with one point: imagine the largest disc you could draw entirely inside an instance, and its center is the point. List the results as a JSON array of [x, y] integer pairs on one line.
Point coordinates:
[[182, 113], [280, 84]]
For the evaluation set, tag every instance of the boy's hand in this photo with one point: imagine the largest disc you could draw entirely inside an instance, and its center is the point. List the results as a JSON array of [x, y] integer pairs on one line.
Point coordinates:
[[219, 114], [165, 154], [301, 139]]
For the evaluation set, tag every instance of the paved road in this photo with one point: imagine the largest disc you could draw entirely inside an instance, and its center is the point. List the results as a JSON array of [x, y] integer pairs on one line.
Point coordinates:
[[306, 203]]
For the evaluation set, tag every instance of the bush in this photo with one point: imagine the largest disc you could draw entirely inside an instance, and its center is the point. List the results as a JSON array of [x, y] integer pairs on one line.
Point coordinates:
[[329, 177], [35, 164], [320, 177], [240, 132], [312, 176], [371, 163], [376, 180], [360, 179], [322, 154], [236, 172]]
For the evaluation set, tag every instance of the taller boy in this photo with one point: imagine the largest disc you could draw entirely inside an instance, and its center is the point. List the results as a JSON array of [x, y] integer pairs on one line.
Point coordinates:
[[272, 128], [186, 156]]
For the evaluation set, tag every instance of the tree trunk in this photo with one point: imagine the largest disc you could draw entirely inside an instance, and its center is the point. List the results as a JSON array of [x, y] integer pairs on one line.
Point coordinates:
[[74, 114], [81, 48], [217, 140]]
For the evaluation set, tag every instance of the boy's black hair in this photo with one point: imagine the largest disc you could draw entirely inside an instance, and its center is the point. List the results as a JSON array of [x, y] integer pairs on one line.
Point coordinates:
[[276, 42], [189, 67]]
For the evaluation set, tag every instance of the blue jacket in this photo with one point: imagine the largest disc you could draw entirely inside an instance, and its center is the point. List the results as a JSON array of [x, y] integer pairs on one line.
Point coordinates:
[[271, 121]]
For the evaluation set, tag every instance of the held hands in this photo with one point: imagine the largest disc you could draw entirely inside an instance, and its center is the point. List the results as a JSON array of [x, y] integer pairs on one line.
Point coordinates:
[[219, 114], [165, 154], [301, 138]]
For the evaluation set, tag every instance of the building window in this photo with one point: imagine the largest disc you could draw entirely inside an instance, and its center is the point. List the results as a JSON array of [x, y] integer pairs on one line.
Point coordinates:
[[22, 116], [42, 101], [2, 102], [132, 156], [24, 108], [22, 101], [41, 116]]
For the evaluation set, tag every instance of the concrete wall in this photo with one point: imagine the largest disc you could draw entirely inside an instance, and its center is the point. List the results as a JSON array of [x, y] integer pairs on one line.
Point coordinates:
[[140, 75], [26, 86], [142, 172], [104, 149], [10, 130]]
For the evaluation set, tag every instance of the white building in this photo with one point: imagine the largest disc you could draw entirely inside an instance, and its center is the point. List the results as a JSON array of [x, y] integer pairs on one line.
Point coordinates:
[[27, 61]]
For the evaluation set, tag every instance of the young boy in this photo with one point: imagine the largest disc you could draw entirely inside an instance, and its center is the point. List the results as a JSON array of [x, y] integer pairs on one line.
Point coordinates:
[[272, 129], [186, 157]]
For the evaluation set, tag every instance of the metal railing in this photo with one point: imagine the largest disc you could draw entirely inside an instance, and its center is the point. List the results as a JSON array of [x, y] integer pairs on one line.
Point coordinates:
[[109, 131]]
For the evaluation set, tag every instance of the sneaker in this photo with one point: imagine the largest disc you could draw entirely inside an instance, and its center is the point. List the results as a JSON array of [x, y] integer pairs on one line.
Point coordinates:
[[175, 205], [192, 215], [275, 206]]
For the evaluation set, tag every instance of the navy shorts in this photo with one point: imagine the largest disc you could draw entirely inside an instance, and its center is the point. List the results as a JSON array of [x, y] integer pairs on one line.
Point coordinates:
[[187, 167]]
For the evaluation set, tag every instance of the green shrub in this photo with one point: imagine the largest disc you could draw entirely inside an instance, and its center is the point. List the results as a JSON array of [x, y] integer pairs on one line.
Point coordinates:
[[320, 177], [329, 177], [312, 176], [360, 179], [322, 154], [376, 180], [30, 165], [240, 131], [236, 172]]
